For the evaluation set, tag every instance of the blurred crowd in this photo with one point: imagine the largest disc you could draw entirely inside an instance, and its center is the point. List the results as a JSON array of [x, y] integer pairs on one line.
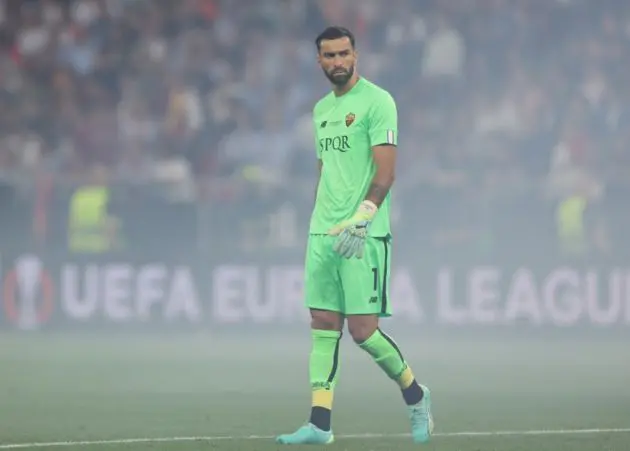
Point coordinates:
[[503, 95]]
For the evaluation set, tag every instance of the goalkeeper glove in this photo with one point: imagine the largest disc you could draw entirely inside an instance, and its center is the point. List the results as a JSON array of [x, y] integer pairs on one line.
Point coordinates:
[[351, 233]]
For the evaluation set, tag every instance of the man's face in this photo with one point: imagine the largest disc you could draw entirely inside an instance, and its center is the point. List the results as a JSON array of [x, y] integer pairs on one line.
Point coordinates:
[[337, 59]]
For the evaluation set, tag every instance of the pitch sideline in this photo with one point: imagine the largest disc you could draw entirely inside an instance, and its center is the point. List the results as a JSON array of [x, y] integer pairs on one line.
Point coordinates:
[[128, 441]]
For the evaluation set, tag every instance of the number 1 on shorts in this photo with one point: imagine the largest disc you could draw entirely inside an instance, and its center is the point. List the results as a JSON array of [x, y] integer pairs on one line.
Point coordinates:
[[375, 274]]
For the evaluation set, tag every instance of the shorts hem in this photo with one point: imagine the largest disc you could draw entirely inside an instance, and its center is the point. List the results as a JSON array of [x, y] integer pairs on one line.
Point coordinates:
[[324, 309]]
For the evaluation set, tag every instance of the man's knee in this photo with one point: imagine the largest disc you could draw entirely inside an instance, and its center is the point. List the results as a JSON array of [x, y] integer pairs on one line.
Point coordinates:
[[362, 327], [326, 320]]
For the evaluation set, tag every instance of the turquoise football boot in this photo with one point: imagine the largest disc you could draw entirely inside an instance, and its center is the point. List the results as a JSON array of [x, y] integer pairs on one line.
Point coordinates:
[[421, 418], [309, 434]]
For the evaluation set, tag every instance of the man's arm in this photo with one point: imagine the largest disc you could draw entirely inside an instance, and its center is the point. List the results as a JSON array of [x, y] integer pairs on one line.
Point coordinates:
[[385, 161], [383, 132]]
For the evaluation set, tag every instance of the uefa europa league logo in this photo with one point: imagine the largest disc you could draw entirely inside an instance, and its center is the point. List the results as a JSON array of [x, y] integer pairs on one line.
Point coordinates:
[[28, 271]]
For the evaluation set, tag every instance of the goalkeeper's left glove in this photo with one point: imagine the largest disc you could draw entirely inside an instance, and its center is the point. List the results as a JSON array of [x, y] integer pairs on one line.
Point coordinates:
[[352, 232]]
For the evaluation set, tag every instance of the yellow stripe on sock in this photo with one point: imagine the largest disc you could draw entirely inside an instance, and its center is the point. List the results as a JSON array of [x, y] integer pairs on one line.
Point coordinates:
[[406, 378], [323, 398]]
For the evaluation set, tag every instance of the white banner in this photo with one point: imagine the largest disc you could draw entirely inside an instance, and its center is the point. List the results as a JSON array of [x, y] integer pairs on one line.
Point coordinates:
[[34, 294]]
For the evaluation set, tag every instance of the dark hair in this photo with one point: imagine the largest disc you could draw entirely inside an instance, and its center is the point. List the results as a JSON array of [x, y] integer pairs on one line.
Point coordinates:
[[334, 33]]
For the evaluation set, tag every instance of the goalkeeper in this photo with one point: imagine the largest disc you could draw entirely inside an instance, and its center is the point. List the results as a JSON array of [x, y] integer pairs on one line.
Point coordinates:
[[349, 247]]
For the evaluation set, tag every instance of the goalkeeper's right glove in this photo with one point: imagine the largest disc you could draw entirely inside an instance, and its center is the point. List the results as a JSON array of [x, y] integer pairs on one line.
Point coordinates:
[[352, 232]]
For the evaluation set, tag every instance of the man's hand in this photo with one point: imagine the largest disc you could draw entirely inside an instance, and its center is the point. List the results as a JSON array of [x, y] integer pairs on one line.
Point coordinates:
[[352, 232]]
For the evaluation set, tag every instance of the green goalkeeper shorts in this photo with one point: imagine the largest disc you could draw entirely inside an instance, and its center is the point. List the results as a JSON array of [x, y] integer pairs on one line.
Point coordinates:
[[348, 286]]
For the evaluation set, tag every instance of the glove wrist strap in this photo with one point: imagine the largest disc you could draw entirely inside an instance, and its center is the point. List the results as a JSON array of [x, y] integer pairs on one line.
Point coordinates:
[[368, 205]]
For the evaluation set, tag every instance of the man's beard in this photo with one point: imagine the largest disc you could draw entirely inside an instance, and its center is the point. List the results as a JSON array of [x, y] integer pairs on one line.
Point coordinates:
[[340, 79]]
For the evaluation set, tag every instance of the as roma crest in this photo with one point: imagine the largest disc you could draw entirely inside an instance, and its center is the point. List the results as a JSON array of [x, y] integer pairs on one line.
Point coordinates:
[[349, 119]]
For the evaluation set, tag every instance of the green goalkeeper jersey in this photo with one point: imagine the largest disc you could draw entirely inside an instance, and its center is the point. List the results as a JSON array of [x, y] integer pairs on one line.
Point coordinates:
[[346, 128]]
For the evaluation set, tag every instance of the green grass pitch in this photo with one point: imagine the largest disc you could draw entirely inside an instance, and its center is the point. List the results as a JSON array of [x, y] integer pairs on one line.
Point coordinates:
[[545, 394]]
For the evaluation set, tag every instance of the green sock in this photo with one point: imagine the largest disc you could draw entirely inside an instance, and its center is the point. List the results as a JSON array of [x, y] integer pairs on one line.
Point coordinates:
[[323, 370], [386, 354]]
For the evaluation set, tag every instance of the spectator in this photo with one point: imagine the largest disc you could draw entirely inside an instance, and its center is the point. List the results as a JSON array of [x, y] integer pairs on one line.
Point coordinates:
[[513, 96]]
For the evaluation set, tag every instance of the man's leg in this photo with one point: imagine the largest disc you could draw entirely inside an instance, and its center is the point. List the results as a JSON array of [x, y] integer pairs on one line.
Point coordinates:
[[324, 364], [324, 299], [385, 352], [365, 283]]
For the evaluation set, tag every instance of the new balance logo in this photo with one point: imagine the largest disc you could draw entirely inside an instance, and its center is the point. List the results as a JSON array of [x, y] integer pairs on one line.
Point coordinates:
[[373, 299]]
